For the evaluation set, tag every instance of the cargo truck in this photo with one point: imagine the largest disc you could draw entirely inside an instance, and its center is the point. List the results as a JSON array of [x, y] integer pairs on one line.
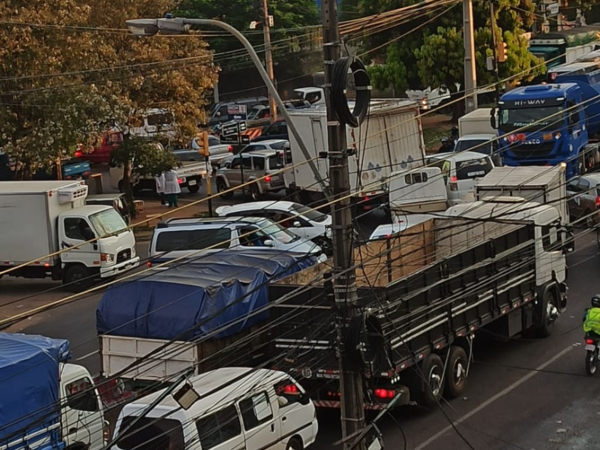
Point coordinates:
[[553, 123], [389, 140], [44, 229], [182, 303], [476, 134], [564, 47], [424, 294], [46, 403]]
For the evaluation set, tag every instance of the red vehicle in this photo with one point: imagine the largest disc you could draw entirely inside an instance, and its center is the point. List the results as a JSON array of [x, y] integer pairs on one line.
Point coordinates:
[[110, 141]]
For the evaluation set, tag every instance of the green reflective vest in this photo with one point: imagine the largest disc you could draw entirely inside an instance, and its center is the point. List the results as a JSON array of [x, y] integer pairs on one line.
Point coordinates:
[[592, 321]]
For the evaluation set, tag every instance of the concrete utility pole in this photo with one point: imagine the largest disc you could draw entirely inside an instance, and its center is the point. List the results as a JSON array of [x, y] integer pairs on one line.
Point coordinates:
[[495, 49], [269, 57], [470, 66], [344, 285]]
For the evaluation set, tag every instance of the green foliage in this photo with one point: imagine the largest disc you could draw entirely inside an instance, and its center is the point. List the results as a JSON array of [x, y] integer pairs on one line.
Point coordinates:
[[147, 158], [445, 45]]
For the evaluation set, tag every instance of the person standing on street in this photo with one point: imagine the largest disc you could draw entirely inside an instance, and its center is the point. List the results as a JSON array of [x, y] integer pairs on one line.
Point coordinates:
[[171, 189], [160, 187]]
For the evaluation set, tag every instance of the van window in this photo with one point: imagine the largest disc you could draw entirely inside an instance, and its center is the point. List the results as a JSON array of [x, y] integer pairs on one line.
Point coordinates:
[[474, 168], [169, 241], [414, 178], [256, 410], [81, 395], [151, 433], [219, 427]]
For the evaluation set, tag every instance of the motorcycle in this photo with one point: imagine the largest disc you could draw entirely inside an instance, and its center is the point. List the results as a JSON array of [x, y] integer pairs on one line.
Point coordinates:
[[591, 357]]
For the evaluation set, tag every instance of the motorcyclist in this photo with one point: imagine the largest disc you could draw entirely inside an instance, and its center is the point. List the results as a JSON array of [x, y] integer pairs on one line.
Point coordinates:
[[447, 146], [591, 318]]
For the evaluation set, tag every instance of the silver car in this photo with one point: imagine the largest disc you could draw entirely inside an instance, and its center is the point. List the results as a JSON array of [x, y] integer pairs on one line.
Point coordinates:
[[261, 164]]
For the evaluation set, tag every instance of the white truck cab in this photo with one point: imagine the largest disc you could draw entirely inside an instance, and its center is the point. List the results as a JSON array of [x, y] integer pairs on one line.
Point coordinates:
[[45, 228]]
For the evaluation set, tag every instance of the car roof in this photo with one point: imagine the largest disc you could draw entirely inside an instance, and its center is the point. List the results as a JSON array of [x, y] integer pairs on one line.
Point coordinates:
[[222, 387], [280, 205], [592, 176], [195, 221], [462, 156], [268, 142]]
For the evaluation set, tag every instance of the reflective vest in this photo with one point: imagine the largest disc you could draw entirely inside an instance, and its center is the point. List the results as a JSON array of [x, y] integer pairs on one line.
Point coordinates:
[[592, 321]]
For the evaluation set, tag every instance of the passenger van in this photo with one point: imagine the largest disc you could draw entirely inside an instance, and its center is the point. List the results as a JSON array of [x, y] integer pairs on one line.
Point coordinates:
[[461, 172], [225, 409]]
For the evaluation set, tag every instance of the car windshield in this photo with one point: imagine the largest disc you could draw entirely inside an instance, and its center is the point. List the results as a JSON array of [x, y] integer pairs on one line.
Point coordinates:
[[276, 231], [476, 145], [473, 168], [539, 118], [309, 213], [107, 222]]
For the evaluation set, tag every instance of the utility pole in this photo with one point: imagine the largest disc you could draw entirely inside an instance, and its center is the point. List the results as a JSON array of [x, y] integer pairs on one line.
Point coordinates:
[[269, 57], [495, 49], [470, 66], [344, 283]]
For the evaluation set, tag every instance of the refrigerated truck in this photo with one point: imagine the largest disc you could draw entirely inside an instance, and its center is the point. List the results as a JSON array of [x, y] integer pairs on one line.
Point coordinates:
[[390, 139], [41, 219], [423, 294]]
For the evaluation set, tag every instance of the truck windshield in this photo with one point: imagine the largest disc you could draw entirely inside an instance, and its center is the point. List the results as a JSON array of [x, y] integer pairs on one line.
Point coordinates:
[[107, 222], [541, 118], [475, 145]]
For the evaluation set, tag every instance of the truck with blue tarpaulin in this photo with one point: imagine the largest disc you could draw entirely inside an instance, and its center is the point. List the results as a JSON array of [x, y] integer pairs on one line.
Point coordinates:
[[200, 313], [46, 403], [554, 123]]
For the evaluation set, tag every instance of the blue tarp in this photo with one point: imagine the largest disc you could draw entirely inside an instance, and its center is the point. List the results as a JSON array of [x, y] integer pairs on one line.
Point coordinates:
[[192, 299], [29, 382]]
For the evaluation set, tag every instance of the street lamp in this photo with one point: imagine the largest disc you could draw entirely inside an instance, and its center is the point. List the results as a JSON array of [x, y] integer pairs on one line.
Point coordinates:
[[150, 27]]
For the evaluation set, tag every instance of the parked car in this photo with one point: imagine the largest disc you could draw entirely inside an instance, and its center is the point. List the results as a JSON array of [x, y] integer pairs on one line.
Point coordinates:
[[277, 130], [480, 143], [252, 166], [301, 220], [237, 408], [584, 199], [176, 238], [218, 152], [461, 172], [271, 144]]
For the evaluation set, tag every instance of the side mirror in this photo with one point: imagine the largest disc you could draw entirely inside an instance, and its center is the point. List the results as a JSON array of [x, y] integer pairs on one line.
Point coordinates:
[[218, 114], [268, 243], [493, 123], [297, 224], [282, 401], [304, 399]]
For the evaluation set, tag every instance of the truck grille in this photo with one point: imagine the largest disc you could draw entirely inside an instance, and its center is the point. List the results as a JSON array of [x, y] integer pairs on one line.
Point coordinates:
[[532, 151], [123, 255]]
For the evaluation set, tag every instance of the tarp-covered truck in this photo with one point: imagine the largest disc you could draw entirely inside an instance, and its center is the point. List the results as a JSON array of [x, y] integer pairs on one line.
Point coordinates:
[[46, 403], [209, 306], [424, 293]]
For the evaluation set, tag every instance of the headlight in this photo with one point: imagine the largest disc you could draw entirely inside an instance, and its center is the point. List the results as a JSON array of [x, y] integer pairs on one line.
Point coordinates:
[[107, 258], [133, 252]]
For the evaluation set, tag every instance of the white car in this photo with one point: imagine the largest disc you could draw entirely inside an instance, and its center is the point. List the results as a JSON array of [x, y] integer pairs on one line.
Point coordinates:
[[400, 224], [301, 220], [461, 172], [270, 144], [177, 238]]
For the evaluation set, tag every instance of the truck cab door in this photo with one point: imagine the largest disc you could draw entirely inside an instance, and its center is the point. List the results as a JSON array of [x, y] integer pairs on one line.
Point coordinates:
[[73, 234], [82, 415]]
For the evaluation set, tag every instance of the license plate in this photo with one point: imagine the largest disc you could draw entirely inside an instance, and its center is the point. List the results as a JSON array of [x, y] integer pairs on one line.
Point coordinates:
[[192, 183], [591, 347]]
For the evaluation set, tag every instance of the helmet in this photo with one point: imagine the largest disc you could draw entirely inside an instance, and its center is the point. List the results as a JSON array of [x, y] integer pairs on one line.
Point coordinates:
[[596, 301], [445, 140]]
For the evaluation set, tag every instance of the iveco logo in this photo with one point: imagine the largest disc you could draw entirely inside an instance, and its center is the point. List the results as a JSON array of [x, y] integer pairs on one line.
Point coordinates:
[[529, 102], [532, 142]]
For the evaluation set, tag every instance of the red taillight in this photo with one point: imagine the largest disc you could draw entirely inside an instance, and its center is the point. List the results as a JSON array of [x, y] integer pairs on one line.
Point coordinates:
[[388, 236], [290, 389], [86, 173], [268, 178], [78, 154], [68, 177], [589, 341], [179, 180], [453, 179], [149, 263], [597, 202], [385, 393], [230, 149]]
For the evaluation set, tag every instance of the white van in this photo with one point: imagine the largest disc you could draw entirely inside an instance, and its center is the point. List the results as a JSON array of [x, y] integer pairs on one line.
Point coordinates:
[[461, 172], [236, 408]]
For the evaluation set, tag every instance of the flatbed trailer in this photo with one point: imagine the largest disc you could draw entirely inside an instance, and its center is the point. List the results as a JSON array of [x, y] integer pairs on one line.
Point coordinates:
[[423, 295]]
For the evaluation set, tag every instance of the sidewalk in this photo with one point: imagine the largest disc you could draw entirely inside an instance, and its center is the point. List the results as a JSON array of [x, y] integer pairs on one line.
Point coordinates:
[[156, 212]]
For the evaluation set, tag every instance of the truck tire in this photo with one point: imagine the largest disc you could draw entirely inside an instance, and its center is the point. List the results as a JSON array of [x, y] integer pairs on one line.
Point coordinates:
[[255, 193], [549, 305], [221, 188], [78, 278], [432, 372], [294, 444], [194, 189], [456, 372]]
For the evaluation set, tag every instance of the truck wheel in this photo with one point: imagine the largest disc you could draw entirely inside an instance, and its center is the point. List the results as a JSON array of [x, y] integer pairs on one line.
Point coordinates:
[[255, 193], [456, 372], [294, 444], [194, 189], [78, 278], [432, 371], [221, 188], [549, 313]]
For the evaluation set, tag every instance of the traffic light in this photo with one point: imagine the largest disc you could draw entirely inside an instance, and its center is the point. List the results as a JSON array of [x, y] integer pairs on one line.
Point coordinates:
[[202, 142], [502, 52], [259, 10]]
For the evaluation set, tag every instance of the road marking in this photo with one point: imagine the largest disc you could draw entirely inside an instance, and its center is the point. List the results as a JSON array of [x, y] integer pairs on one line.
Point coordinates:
[[86, 356], [491, 400]]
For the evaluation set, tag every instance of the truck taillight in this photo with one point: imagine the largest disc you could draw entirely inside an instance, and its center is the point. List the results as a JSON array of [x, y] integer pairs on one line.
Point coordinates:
[[179, 180], [385, 393], [268, 178], [454, 183], [230, 149], [597, 202]]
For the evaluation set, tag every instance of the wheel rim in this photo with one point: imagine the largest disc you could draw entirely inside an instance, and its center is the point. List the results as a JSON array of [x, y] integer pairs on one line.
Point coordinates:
[[459, 372], [551, 311], [254, 194], [435, 381], [593, 362]]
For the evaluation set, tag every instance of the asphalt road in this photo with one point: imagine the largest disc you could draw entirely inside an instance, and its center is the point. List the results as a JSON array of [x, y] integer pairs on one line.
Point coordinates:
[[522, 394]]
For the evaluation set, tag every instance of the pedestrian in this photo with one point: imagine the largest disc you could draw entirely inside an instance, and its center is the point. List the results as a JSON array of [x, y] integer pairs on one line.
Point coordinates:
[[160, 187], [171, 188]]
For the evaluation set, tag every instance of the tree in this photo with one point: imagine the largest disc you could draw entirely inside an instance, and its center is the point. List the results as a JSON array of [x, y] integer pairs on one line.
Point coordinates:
[[68, 71]]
